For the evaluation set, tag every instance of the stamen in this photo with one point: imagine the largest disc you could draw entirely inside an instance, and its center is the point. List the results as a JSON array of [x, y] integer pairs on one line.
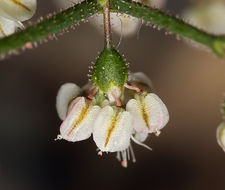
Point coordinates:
[[128, 154], [118, 156], [124, 164], [157, 133], [90, 96], [124, 159], [118, 102], [59, 137], [132, 154], [141, 144], [100, 153], [135, 88]]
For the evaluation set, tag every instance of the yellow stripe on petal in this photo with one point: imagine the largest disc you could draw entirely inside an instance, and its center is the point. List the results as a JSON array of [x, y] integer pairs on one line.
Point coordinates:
[[144, 112], [81, 117], [18, 2], [2, 31], [111, 128]]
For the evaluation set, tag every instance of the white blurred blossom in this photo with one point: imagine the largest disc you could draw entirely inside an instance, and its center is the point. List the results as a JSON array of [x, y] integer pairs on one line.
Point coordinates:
[[13, 12], [220, 135], [207, 15]]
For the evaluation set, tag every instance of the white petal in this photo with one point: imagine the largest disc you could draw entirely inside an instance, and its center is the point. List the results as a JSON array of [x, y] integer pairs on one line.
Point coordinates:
[[149, 113], [18, 10], [65, 3], [78, 124], [7, 27], [220, 135], [112, 130], [140, 77], [141, 137], [65, 94]]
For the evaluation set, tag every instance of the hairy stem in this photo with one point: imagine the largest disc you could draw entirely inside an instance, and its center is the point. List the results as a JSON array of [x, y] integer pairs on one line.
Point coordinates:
[[171, 23], [49, 26], [107, 25], [68, 18]]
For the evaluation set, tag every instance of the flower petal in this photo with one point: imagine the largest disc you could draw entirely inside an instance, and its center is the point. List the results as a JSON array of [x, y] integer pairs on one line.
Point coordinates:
[[112, 130], [141, 78], [7, 27], [150, 113], [220, 135], [78, 124], [141, 137], [18, 10], [65, 94]]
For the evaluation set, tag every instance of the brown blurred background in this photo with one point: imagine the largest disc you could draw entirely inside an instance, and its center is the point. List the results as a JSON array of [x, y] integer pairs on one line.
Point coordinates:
[[185, 156]]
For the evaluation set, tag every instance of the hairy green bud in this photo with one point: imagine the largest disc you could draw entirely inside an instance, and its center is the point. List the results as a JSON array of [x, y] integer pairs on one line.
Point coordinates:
[[109, 70]]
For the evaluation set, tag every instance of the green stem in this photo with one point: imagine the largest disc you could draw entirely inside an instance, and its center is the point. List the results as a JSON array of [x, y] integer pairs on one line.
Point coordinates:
[[171, 23], [50, 26], [67, 18]]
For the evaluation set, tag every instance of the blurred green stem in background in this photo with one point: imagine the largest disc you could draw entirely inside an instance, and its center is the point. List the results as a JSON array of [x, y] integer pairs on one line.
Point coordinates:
[[80, 12]]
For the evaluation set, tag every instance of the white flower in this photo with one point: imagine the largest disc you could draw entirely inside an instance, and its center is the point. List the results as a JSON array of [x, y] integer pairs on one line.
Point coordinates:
[[220, 135], [13, 12], [121, 23], [114, 119], [209, 16], [150, 113]]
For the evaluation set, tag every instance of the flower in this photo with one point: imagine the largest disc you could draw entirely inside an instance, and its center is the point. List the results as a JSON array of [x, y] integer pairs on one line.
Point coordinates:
[[220, 135], [13, 12], [209, 16], [87, 112], [121, 23]]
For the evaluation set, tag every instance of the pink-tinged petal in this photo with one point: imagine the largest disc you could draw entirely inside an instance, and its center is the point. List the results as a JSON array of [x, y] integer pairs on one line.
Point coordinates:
[[78, 124], [150, 113], [112, 130], [157, 111], [65, 94], [220, 135]]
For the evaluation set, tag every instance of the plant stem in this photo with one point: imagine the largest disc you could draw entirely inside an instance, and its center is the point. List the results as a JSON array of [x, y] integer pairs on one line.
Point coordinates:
[[107, 25], [50, 26], [80, 12], [171, 23]]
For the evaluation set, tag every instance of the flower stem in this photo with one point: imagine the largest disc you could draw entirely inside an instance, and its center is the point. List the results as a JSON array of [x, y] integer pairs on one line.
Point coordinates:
[[107, 25], [47, 28], [171, 24], [63, 20]]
